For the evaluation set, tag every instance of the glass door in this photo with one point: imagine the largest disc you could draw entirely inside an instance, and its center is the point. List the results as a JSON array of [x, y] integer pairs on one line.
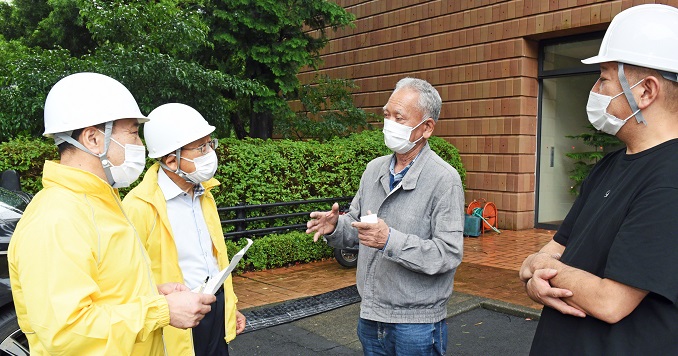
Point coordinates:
[[565, 84]]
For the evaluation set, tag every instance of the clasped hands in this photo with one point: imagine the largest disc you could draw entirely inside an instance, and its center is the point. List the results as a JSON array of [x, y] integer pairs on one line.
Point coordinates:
[[370, 234], [539, 288]]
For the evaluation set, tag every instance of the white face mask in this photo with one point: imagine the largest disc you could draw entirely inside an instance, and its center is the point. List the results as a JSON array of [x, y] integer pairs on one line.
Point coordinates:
[[596, 109], [130, 170], [205, 167], [397, 136]]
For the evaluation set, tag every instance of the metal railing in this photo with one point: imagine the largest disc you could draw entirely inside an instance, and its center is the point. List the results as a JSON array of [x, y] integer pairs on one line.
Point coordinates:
[[283, 224]]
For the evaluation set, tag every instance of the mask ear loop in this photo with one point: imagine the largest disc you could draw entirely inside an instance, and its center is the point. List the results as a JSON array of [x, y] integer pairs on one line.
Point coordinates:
[[419, 124], [629, 96]]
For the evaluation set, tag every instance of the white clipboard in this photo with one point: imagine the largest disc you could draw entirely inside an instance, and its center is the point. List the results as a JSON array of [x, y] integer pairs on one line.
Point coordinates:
[[217, 280]]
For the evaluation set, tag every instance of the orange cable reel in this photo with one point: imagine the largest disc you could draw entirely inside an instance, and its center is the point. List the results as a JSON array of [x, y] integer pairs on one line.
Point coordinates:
[[487, 213]]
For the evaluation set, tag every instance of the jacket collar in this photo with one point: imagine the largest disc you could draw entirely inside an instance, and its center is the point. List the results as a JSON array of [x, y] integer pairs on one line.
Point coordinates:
[[74, 179], [409, 182]]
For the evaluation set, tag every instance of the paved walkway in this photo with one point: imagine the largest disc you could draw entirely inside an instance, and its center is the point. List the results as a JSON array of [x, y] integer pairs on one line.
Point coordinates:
[[489, 269]]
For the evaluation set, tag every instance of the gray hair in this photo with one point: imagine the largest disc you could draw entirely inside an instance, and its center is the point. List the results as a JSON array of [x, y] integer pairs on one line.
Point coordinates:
[[429, 99]]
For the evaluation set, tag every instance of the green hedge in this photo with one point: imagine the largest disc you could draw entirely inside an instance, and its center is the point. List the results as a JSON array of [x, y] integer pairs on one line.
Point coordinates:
[[262, 171], [279, 250], [27, 156], [255, 171]]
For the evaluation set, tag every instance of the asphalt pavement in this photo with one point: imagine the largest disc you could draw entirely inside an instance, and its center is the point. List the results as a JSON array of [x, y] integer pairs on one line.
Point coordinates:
[[476, 326]]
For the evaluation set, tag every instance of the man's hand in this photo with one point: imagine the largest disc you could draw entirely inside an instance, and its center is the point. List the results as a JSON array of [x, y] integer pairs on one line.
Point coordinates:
[[240, 322], [540, 290], [526, 269], [371, 234], [323, 223], [528, 266], [188, 308], [169, 288]]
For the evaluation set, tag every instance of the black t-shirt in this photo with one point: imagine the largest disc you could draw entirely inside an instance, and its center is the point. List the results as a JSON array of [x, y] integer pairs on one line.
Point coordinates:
[[624, 227]]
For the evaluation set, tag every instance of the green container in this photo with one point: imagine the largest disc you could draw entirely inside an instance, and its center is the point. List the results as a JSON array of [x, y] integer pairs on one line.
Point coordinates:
[[472, 225]]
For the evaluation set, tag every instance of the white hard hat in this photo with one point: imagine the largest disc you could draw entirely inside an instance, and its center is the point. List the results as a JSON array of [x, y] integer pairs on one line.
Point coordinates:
[[87, 99], [173, 126], [643, 35]]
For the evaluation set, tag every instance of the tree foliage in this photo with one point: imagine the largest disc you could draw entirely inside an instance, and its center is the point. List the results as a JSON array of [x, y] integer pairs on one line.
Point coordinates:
[[144, 45], [269, 40], [159, 27], [274, 38], [26, 74], [229, 59], [50, 24], [327, 111]]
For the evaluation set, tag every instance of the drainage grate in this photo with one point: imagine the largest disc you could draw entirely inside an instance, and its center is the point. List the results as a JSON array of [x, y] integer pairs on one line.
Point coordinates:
[[296, 309]]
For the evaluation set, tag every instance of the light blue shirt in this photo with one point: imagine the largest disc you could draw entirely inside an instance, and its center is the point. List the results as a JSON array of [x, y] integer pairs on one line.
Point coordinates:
[[189, 229]]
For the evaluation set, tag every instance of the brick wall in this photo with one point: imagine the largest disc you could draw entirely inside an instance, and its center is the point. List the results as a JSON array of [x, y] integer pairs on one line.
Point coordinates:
[[482, 56]]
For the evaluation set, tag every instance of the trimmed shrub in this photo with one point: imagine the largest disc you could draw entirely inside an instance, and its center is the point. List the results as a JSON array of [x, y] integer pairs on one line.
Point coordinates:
[[259, 171], [27, 156], [279, 250]]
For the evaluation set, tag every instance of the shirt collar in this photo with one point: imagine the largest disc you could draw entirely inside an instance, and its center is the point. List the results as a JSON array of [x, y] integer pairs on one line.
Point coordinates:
[[401, 173], [396, 178]]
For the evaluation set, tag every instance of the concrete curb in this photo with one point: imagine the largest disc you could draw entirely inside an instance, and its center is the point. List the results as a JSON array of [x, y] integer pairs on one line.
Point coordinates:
[[462, 303], [511, 309]]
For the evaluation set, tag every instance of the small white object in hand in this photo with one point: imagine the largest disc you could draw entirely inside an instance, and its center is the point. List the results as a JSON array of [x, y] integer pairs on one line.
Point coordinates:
[[372, 219]]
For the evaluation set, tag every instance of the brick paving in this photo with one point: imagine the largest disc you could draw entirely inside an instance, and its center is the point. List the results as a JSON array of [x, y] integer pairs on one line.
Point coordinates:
[[287, 283], [489, 269]]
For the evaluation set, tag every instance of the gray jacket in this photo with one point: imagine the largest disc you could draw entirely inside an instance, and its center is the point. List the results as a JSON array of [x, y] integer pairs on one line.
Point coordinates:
[[410, 280]]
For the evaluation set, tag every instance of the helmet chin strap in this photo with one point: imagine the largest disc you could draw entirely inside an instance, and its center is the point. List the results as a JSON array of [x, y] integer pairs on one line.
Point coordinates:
[[178, 171], [65, 137], [629, 95]]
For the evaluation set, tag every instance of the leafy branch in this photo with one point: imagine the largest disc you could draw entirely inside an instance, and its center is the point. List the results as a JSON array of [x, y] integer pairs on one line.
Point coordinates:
[[584, 161]]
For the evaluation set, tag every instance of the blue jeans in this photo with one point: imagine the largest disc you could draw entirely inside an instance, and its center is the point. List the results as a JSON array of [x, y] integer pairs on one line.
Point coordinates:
[[402, 339]]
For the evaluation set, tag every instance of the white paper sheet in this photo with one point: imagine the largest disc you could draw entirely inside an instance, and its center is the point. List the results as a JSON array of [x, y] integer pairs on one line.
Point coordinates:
[[217, 280], [372, 219]]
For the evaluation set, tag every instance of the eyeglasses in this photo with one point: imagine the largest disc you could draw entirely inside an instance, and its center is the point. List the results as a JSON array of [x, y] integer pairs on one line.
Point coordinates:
[[213, 143]]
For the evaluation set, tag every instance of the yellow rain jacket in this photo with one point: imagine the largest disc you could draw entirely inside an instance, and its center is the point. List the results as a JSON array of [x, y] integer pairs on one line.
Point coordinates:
[[147, 208], [81, 279]]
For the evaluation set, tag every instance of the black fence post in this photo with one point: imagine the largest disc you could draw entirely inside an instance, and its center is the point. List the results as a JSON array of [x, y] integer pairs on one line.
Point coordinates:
[[241, 214]]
